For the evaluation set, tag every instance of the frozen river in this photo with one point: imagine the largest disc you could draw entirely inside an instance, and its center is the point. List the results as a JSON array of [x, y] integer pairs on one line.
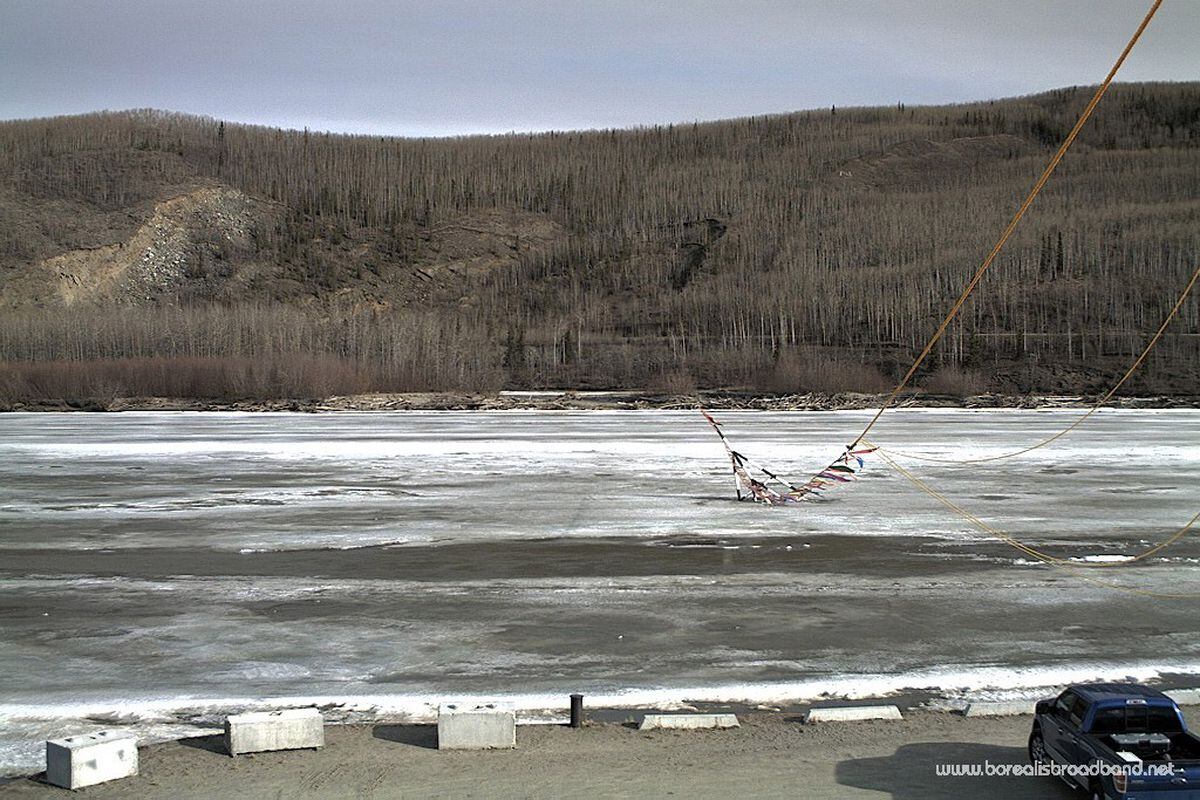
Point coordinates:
[[157, 567]]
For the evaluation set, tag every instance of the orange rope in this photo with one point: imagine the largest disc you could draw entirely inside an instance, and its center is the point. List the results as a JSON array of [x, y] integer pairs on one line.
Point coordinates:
[[1012, 225], [1095, 407], [941, 330], [1058, 563]]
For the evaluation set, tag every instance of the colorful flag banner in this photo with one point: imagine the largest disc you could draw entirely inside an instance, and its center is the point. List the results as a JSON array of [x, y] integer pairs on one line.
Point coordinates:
[[844, 469]]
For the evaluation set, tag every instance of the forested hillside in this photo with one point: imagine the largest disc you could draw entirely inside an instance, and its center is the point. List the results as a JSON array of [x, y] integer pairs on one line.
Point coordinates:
[[150, 253]]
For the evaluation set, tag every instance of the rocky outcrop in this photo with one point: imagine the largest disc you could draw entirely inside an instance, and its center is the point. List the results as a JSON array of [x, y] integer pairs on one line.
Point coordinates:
[[167, 250]]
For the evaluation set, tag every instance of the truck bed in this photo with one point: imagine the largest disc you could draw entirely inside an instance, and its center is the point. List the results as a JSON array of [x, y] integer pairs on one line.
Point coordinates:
[[1184, 747]]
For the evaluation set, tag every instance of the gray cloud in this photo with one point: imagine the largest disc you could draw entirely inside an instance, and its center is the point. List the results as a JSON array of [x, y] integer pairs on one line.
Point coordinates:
[[448, 67]]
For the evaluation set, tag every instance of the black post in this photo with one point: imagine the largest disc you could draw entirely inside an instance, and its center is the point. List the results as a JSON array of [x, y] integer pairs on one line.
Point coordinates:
[[576, 711]]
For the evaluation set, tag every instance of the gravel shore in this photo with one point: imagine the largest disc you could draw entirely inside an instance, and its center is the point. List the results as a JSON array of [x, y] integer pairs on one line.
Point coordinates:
[[770, 755], [570, 400]]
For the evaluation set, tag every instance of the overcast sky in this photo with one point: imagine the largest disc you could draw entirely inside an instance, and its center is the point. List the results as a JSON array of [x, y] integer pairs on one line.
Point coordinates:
[[441, 67]]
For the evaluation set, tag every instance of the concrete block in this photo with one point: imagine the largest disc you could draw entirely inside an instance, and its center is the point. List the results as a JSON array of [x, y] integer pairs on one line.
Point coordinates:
[[1000, 708], [289, 729], [77, 761], [851, 713], [476, 727], [1185, 697], [687, 721]]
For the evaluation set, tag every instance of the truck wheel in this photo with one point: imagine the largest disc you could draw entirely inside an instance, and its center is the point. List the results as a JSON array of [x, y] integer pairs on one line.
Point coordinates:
[[1037, 749]]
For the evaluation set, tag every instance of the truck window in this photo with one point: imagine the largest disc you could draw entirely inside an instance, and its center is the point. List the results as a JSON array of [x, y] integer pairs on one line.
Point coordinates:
[[1109, 720], [1077, 711], [1140, 718], [1063, 705], [1152, 719]]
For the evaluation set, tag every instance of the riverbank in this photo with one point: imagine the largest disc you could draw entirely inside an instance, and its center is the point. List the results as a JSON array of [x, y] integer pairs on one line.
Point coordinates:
[[770, 755], [568, 400]]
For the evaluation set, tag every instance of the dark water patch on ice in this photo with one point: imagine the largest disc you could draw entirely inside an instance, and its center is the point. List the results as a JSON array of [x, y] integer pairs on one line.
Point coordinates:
[[234, 500], [689, 543], [310, 608], [501, 560]]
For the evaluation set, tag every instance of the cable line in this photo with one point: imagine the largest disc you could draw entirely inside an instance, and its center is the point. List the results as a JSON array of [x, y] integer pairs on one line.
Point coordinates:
[[1079, 569], [1012, 225], [1095, 407]]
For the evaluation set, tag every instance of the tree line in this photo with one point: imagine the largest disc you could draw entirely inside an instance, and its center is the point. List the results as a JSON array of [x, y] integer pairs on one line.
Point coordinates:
[[760, 252]]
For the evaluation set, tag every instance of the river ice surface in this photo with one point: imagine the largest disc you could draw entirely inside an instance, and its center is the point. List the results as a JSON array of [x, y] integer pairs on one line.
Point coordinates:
[[158, 569]]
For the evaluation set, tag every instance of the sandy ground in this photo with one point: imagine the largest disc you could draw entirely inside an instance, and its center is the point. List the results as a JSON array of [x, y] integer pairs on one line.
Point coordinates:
[[771, 755]]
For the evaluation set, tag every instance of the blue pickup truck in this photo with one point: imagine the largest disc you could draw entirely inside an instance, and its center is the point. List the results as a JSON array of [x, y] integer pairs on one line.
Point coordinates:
[[1117, 740]]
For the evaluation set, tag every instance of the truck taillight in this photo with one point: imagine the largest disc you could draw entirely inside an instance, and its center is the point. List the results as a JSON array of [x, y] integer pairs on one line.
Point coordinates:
[[1120, 782]]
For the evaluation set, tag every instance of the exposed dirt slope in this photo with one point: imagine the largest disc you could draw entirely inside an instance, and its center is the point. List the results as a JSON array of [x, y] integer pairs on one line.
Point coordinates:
[[182, 237]]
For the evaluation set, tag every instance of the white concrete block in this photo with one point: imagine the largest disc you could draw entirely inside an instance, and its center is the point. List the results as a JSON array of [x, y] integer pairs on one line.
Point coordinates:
[[289, 729], [687, 721], [77, 761], [476, 727], [851, 713], [1185, 697], [1000, 708]]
